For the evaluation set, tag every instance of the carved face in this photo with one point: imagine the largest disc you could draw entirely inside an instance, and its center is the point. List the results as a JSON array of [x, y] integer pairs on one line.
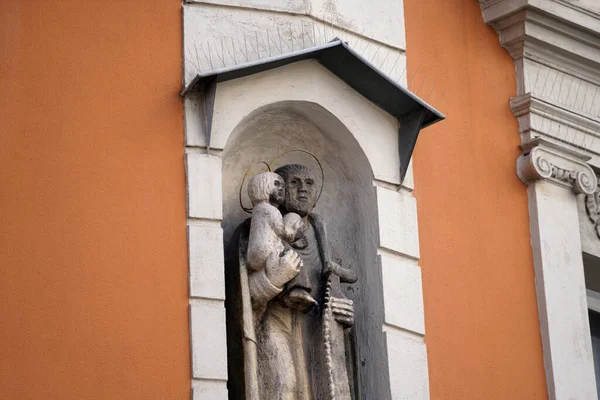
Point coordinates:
[[300, 192], [277, 194]]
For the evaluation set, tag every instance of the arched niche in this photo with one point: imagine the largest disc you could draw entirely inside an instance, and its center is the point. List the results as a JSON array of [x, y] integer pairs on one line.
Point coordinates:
[[231, 122], [348, 205]]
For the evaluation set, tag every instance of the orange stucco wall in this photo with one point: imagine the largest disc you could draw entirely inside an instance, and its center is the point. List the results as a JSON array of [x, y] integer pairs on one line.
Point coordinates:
[[93, 274], [482, 332]]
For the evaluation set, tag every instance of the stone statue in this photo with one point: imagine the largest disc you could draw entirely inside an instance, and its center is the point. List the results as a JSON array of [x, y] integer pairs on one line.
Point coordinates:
[[284, 298], [268, 228]]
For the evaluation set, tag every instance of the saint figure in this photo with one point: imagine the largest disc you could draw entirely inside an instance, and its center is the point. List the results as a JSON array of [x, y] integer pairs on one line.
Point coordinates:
[[290, 317]]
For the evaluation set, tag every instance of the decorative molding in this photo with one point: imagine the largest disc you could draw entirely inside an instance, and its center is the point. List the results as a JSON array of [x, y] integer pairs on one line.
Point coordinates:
[[528, 103], [550, 39], [550, 162], [584, 14], [592, 205], [558, 42], [560, 123]]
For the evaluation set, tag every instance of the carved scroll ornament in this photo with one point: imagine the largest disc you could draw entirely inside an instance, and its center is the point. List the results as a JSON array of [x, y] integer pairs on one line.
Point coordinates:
[[592, 203], [546, 162]]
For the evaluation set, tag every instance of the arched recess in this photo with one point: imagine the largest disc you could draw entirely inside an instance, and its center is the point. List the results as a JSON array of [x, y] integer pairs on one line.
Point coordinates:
[[372, 219], [348, 206]]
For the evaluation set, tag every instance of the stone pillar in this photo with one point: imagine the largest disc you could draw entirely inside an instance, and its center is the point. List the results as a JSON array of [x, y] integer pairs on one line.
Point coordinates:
[[555, 176]]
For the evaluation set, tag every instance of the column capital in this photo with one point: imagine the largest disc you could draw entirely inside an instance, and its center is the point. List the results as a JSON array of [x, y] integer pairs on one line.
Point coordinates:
[[551, 162]]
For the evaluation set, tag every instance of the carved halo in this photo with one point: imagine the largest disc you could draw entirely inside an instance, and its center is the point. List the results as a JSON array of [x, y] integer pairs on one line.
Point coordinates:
[[269, 168], [249, 210]]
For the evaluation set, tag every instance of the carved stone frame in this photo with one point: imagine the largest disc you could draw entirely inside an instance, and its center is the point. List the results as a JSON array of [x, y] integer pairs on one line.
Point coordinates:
[[406, 372]]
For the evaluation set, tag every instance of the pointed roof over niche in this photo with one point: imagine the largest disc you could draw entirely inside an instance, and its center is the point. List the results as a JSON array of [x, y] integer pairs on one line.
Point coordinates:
[[413, 113]]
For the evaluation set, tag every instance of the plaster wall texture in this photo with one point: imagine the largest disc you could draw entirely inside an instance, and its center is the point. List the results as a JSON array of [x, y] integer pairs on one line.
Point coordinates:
[[93, 274], [483, 335]]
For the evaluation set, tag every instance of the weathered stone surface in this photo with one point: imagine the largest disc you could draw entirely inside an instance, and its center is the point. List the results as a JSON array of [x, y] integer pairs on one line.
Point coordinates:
[[209, 343], [554, 174], [398, 230], [194, 119], [204, 186], [207, 277], [407, 360], [209, 390], [294, 339], [403, 293]]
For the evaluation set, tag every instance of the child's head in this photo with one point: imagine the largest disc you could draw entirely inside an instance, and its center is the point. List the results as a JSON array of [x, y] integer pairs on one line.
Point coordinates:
[[266, 187]]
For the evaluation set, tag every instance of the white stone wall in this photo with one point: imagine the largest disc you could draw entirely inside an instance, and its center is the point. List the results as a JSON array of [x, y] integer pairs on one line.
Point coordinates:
[[207, 284]]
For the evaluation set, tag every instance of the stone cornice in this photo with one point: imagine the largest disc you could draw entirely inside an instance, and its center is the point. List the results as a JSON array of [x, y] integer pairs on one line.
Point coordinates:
[[547, 161], [573, 14], [546, 29], [558, 113]]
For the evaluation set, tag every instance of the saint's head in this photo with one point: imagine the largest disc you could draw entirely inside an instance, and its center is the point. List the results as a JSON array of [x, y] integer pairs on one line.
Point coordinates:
[[300, 188], [266, 187]]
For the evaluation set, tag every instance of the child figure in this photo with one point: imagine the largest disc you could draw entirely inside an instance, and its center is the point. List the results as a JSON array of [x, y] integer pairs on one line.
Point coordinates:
[[268, 228]]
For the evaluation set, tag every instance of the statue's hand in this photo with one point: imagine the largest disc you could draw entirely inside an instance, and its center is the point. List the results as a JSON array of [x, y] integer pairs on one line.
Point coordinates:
[[343, 311], [281, 270]]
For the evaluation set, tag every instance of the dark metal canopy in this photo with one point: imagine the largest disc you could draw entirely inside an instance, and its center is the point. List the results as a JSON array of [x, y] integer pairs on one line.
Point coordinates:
[[412, 112]]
